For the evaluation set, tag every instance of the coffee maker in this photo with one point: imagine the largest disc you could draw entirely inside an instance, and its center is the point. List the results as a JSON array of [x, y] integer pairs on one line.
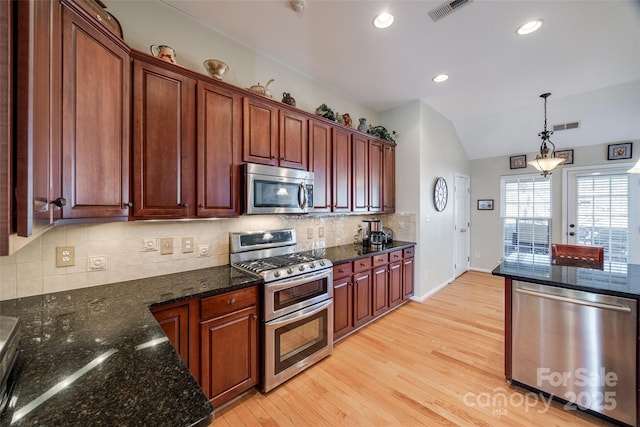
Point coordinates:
[[372, 234]]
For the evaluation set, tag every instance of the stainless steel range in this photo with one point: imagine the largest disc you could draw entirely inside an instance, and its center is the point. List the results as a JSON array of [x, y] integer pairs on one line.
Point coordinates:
[[297, 310]]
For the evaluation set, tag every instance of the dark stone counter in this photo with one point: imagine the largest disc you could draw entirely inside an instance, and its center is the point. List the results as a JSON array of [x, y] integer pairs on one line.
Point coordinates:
[[96, 356], [346, 253], [622, 280]]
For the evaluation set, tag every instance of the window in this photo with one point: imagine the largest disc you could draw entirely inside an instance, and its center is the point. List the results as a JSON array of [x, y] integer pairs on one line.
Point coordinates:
[[525, 208]]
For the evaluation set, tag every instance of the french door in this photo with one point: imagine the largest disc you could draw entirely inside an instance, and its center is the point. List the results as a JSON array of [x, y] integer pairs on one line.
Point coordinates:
[[600, 210]]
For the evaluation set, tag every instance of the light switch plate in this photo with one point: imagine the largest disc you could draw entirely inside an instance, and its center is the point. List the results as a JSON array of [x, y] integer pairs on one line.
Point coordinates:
[[166, 246], [65, 256], [187, 245]]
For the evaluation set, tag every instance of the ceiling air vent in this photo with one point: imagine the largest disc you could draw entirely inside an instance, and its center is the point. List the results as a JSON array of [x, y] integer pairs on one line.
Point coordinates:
[[447, 9], [566, 126]]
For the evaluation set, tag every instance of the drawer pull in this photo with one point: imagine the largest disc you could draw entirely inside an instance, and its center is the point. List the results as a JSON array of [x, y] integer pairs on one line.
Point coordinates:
[[232, 301], [363, 264], [254, 317], [341, 270]]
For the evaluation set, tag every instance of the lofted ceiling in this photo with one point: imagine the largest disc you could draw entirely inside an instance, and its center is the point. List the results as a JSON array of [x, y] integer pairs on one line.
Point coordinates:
[[587, 54]]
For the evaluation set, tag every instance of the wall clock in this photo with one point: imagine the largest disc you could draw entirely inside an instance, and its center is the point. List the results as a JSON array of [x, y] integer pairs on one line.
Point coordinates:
[[440, 194]]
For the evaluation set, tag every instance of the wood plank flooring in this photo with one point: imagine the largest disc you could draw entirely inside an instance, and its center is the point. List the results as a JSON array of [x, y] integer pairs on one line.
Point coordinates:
[[437, 363]]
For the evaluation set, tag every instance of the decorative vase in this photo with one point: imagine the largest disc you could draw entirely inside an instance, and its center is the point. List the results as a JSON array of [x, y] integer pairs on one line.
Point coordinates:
[[362, 127], [164, 52]]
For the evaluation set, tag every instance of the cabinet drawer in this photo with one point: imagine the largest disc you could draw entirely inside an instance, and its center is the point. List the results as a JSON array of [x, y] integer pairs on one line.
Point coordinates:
[[361, 264], [380, 259], [395, 256], [229, 302], [408, 252], [342, 270]]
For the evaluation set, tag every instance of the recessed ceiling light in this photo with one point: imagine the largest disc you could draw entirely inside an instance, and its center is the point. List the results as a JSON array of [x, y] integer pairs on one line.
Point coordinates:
[[529, 27], [384, 20], [440, 78]]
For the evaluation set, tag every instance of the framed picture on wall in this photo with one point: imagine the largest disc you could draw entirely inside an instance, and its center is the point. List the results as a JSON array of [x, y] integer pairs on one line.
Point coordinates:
[[485, 204], [619, 151], [566, 154], [518, 162]]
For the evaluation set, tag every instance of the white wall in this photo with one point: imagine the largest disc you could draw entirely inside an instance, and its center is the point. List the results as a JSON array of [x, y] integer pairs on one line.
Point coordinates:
[[428, 147], [486, 226]]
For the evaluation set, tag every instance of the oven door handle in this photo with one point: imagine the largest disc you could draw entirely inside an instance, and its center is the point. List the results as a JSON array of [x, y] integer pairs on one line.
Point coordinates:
[[297, 315], [288, 283]]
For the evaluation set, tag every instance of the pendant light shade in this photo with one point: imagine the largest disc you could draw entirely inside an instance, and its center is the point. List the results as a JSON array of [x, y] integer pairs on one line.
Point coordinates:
[[546, 160]]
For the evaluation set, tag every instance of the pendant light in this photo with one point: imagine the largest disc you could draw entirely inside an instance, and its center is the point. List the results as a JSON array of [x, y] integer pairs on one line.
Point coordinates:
[[546, 161]]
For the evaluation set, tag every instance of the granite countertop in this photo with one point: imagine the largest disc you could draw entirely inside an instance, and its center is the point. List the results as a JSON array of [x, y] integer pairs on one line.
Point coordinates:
[[97, 356], [622, 280], [345, 253]]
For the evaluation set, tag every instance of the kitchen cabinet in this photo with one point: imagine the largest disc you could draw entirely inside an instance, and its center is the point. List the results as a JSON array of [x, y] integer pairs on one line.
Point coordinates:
[[362, 292], [174, 321], [396, 290], [342, 300], [408, 272], [320, 144], [389, 178], [272, 136], [360, 178], [163, 142], [6, 122], [229, 344], [342, 170], [380, 284], [218, 151], [376, 178]]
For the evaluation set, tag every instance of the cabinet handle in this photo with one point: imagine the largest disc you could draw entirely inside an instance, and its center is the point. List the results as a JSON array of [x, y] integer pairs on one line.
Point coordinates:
[[129, 204], [254, 317], [363, 264], [185, 205], [340, 270], [59, 202], [283, 158], [273, 157], [351, 284], [232, 301], [201, 206]]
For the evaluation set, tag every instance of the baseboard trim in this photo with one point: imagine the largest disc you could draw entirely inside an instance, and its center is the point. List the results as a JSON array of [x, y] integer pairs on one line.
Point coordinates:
[[482, 270], [432, 292]]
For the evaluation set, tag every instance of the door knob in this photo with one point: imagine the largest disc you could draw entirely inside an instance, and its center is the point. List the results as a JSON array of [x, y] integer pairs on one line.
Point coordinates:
[[463, 230], [571, 225], [571, 233], [59, 202]]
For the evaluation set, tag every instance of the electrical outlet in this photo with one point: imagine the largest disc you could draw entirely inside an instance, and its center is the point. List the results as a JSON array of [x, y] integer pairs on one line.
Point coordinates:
[[97, 263], [320, 231], [65, 256], [149, 245], [310, 233], [187, 245], [203, 250], [166, 246]]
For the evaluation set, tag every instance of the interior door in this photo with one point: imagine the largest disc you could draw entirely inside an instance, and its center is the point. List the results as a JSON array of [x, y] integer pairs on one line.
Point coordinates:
[[461, 226], [599, 211]]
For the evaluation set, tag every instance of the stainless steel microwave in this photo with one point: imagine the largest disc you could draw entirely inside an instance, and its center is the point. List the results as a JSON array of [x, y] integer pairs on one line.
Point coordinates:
[[275, 190]]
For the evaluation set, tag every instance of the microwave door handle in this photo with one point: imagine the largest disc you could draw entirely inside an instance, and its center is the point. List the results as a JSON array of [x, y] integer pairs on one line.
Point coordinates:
[[302, 195]]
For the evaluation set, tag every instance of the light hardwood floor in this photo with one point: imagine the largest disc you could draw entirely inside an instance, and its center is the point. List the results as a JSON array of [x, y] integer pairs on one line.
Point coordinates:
[[425, 364]]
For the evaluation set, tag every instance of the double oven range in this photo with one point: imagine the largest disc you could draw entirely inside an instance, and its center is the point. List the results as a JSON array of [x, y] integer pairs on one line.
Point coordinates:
[[297, 305]]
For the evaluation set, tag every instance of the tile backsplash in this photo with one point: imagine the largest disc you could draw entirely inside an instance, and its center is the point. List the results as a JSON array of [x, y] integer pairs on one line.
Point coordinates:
[[32, 269]]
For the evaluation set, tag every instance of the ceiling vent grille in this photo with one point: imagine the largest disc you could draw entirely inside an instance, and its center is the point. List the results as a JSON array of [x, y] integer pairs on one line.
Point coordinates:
[[447, 8], [566, 126]]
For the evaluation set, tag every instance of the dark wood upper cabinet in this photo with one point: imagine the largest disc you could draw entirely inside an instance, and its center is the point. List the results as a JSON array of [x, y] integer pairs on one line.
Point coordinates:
[[163, 142], [260, 136], [293, 141], [219, 133], [342, 170], [6, 122], [320, 137], [95, 121], [389, 179], [376, 155], [360, 174]]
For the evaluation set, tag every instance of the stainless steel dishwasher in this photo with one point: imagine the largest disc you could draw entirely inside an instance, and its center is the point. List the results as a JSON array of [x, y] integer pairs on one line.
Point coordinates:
[[578, 346]]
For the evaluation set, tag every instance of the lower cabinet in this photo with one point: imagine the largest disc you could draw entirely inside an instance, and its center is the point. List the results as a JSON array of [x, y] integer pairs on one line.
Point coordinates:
[[229, 344], [342, 300], [174, 321], [408, 271]]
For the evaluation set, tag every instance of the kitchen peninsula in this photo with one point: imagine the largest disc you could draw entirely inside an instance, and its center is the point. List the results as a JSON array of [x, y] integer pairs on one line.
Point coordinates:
[[572, 332]]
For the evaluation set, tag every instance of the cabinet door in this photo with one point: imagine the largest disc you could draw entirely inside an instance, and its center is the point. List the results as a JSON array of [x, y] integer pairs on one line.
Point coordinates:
[[6, 123], [218, 151], [95, 121], [395, 283], [380, 290], [174, 321], [342, 168], [229, 354], [320, 165], [376, 156], [163, 142], [342, 307], [260, 137], [389, 180], [293, 141], [362, 312], [360, 174], [407, 277]]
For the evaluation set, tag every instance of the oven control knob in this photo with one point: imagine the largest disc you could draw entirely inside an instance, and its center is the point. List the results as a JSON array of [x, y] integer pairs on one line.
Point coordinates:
[[289, 270], [312, 265], [276, 274], [322, 263], [301, 268]]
